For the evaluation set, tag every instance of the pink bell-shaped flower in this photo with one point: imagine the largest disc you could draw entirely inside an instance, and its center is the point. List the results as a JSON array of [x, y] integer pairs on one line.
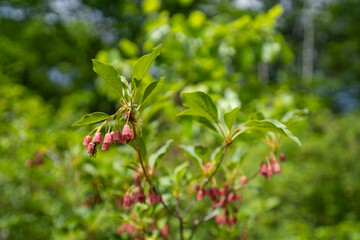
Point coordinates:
[[91, 149], [127, 133], [87, 140], [200, 195], [112, 137], [97, 138], [263, 169], [282, 157], [104, 147], [158, 198], [269, 172], [117, 136], [243, 180], [277, 168], [107, 139]]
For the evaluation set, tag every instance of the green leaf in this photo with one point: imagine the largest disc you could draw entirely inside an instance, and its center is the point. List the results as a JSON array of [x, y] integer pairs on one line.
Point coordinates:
[[109, 74], [201, 150], [144, 63], [150, 88], [91, 118], [216, 153], [294, 115], [142, 146], [200, 104], [257, 116], [206, 123], [230, 117], [180, 172], [271, 126], [192, 154], [159, 154]]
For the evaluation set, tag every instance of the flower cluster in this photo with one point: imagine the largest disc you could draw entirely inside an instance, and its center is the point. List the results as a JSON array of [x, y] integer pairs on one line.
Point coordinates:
[[223, 198], [136, 233], [268, 168], [138, 197], [111, 137], [127, 228]]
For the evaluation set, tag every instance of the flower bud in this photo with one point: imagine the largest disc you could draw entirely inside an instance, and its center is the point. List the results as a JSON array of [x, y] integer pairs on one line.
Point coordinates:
[[200, 195], [277, 168], [87, 140], [152, 199], [263, 169], [164, 231], [197, 188], [222, 192], [269, 172], [137, 182], [107, 139], [97, 138], [135, 196], [117, 136], [112, 137], [127, 133], [238, 197], [220, 220], [91, 149], [282, 157], [158, 198], [226, 187], [215, 191], [272, 162], [127, 200], [232, 222], [104, 147], [231, 197], [222, 203], [243, 180]]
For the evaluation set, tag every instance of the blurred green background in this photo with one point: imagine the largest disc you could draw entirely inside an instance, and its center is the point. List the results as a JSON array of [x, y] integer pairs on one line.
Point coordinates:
[[268, 56]]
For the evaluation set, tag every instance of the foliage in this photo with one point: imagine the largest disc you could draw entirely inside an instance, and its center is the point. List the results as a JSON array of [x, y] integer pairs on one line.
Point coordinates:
[[246, 63]]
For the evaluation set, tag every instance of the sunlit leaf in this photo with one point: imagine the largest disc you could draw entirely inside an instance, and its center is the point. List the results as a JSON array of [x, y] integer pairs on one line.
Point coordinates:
[[192, 154], [230, 117], [199, 104], [206, 123], [91, 118], [271, 126], [180, 172], [109, 74], [144, 63], [150, 88], [159, 154]]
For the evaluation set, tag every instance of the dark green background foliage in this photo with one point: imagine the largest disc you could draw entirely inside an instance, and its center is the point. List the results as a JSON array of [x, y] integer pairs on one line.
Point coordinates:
[[249, 53]]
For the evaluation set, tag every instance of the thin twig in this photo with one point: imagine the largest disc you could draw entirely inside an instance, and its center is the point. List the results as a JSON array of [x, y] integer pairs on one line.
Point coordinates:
[[181, 223], [191, 204], [217, 167], [146, 175]]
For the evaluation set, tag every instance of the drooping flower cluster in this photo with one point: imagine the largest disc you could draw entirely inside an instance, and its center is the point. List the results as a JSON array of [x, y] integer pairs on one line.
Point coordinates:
[[138, 196], [136, 233], [223, 198], [111, 137], [127, 228], [268, 168]]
